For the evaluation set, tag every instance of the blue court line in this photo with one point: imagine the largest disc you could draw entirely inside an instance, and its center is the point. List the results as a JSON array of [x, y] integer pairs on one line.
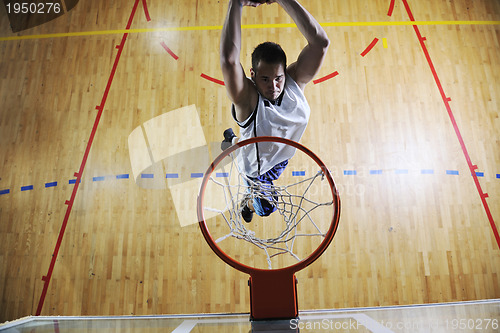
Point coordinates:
[[147, 175], [172, 175], [226, 174]]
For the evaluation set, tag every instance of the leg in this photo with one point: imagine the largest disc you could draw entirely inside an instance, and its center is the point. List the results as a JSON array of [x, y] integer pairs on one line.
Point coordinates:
[[264, 205]]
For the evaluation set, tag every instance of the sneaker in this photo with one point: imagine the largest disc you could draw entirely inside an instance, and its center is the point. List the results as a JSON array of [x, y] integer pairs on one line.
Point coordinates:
[[246, 213], [228, 139]]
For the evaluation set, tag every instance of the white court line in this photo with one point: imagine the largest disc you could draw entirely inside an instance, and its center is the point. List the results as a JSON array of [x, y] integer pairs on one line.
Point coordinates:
[[371, 324], [186, 326]]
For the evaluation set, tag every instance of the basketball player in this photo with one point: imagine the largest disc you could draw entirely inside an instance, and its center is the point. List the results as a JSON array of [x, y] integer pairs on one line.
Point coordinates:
[[271, 102]]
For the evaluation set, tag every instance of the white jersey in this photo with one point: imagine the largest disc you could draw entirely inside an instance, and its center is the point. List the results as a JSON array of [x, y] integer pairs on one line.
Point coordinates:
[[286, 118]]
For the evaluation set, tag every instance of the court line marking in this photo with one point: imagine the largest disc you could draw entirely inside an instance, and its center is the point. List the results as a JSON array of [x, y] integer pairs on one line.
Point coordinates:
[[245, 26], [146, 11], [209, 78], [327, 77], [169, 51], [369, 47], [391, 7], [446, 101], [345, 172], [186, 326]]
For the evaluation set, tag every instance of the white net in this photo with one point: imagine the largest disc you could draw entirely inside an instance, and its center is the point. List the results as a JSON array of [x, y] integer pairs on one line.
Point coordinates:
[[304, 210]]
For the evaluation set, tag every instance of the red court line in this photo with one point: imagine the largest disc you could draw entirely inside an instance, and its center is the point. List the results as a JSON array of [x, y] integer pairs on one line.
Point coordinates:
[[446, 101], [368, 49], [169, 51], [209, 78], [327, 77], [391, 8], [78, 175], [146, 12]]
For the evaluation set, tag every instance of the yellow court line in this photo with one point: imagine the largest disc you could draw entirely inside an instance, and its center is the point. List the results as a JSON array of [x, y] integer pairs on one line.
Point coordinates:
[[403, 23], [248, 26]]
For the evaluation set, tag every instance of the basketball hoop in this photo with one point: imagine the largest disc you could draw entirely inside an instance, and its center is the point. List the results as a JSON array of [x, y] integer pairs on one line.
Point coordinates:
[[307, 212]]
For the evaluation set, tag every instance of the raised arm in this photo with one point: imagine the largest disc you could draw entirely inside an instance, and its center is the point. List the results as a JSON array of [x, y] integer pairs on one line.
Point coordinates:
[[240, 89], [311, 57]]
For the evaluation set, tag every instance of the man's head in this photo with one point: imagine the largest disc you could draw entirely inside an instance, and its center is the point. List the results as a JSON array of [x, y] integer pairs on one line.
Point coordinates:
[[269, 69]]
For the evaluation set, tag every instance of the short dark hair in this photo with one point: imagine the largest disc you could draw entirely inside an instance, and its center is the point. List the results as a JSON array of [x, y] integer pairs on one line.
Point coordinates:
[[270, 53]]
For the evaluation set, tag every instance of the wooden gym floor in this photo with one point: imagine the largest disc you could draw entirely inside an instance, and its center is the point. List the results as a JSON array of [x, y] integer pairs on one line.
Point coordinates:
[[411, 113]]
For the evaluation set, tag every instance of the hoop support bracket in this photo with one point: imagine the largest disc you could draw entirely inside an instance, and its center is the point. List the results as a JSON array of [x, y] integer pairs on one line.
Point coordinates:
[[273, 295]]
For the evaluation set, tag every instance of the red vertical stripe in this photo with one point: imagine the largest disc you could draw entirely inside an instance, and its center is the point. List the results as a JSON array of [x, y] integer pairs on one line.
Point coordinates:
[[78, 175], [146, 12], [391, 8]]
